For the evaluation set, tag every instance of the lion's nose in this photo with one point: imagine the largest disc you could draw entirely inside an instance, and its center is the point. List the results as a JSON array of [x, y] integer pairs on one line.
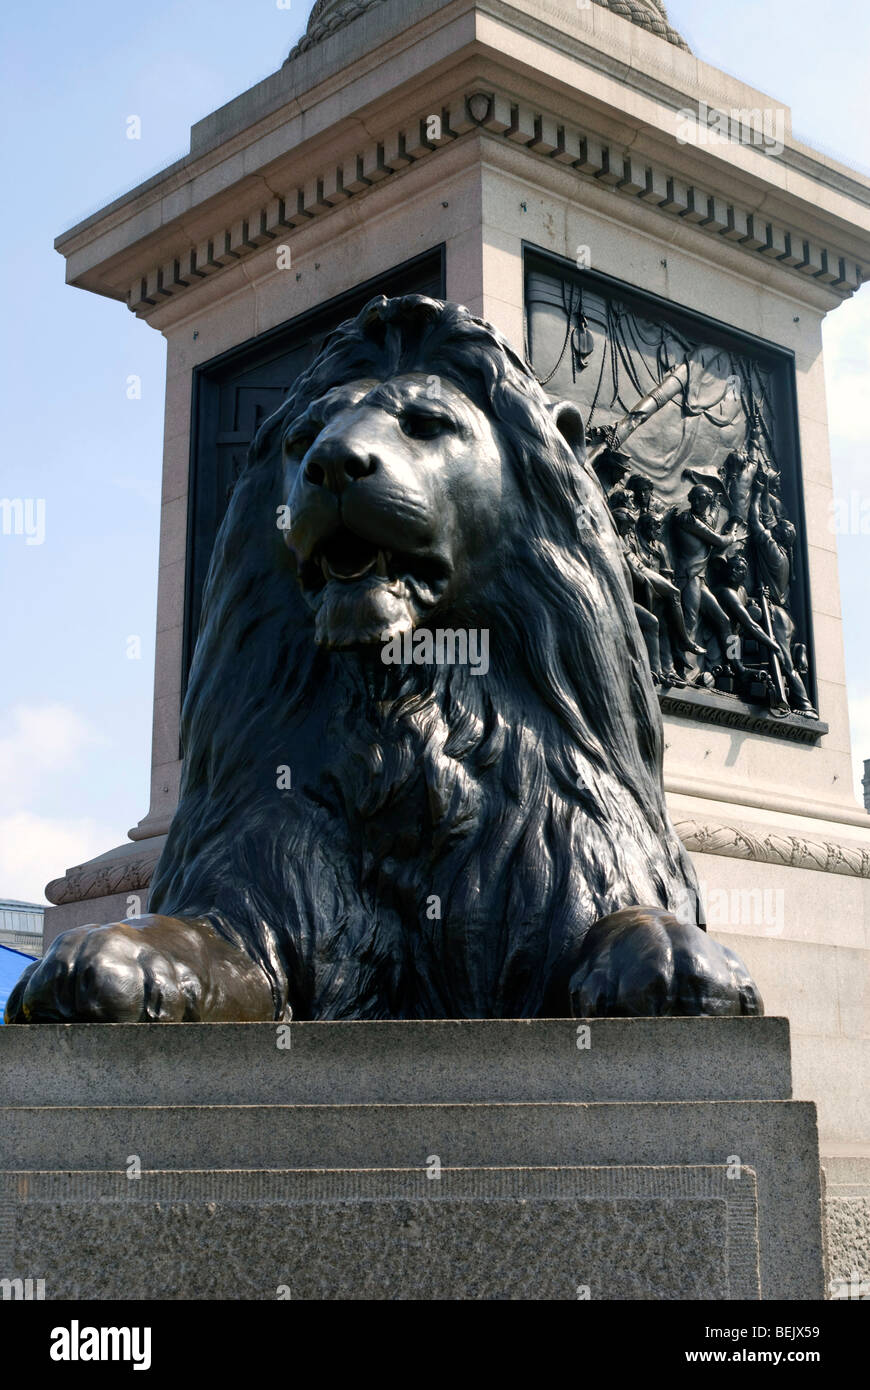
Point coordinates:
[[334, 466]]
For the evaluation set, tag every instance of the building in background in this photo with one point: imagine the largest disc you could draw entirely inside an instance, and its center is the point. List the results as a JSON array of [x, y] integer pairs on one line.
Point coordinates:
[[20, 941], [21, 926]]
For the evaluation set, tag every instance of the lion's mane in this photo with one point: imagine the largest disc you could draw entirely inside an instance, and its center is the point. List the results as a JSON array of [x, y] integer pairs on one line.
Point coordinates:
[[449, 838]]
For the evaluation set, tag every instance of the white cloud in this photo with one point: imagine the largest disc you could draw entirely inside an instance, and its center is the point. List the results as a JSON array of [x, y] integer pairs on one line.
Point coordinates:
[[41, 740], [35, 849], [39, 744]]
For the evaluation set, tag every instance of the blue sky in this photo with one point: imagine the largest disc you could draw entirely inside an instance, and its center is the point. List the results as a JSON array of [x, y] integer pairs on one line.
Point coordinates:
[[75, 711]]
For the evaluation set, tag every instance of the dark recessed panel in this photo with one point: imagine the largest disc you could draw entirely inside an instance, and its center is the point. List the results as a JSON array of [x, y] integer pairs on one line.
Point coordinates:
[[234, 393]]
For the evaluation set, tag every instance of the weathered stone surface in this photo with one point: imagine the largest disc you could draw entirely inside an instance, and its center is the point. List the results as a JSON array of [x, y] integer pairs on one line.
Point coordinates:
[[776, 1138], [468, 1060], [601, 1233], [847, 1221], [352, 1101]]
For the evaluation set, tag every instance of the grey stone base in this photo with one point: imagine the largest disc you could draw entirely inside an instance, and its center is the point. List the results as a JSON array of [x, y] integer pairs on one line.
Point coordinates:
[[661, 1159], [414, 1062], [500, 1233]]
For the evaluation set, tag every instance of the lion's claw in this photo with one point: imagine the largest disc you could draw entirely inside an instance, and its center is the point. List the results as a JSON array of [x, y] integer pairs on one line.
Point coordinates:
[[103, 974], [642, 961], [149, 969]]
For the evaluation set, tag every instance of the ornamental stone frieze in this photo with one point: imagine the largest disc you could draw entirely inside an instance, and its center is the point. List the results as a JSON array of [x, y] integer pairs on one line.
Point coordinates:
[[127, 875], [791, 851]]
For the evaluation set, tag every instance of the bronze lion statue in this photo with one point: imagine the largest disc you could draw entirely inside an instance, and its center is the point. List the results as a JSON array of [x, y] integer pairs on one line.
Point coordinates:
[[423, 753]]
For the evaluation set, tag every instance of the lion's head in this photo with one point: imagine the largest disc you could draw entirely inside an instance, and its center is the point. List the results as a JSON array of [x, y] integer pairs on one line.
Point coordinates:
[[448, 835], [395, 495]]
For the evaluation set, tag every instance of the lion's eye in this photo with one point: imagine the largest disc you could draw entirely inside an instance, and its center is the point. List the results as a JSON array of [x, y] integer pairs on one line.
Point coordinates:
[[420, 426], [300, 443]]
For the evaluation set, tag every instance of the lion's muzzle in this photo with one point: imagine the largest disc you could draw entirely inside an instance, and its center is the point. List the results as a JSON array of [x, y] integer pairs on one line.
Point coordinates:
[[364, 530]]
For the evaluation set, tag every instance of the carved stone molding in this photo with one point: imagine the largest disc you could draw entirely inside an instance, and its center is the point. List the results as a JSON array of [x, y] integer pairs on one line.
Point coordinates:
[[327, 17], [647, 14], [776, 847], [133, 873], [545, 136], [102, 879]]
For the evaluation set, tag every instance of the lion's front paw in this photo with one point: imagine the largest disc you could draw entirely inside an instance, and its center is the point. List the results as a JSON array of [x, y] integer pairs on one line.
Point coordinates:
[[642, 961], [121, 973]]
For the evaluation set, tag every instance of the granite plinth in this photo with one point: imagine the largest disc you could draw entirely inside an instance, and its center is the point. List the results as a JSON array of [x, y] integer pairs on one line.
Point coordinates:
[[413, 1061], [498, 1233], [478, 1159]]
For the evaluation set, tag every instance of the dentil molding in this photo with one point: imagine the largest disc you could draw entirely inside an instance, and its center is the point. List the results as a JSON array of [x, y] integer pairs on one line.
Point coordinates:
[[542, 134]]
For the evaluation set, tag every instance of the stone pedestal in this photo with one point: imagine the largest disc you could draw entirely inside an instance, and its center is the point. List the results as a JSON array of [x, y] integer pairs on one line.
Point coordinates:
[[614, 1159]]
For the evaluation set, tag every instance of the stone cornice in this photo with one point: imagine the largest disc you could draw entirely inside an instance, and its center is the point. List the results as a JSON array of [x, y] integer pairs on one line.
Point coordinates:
[[496, 115], [133, 872], [552, 57]]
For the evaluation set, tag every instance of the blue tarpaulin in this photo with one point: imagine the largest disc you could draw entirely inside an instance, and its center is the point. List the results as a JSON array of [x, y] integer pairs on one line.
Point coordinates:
[[12, 963]]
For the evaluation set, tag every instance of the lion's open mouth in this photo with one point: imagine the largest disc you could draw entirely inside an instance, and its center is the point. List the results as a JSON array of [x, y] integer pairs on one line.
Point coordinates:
[[344, 557]]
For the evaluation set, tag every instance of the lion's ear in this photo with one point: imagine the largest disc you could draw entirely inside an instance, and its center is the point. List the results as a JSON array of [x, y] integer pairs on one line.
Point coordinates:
[[569, 422]]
